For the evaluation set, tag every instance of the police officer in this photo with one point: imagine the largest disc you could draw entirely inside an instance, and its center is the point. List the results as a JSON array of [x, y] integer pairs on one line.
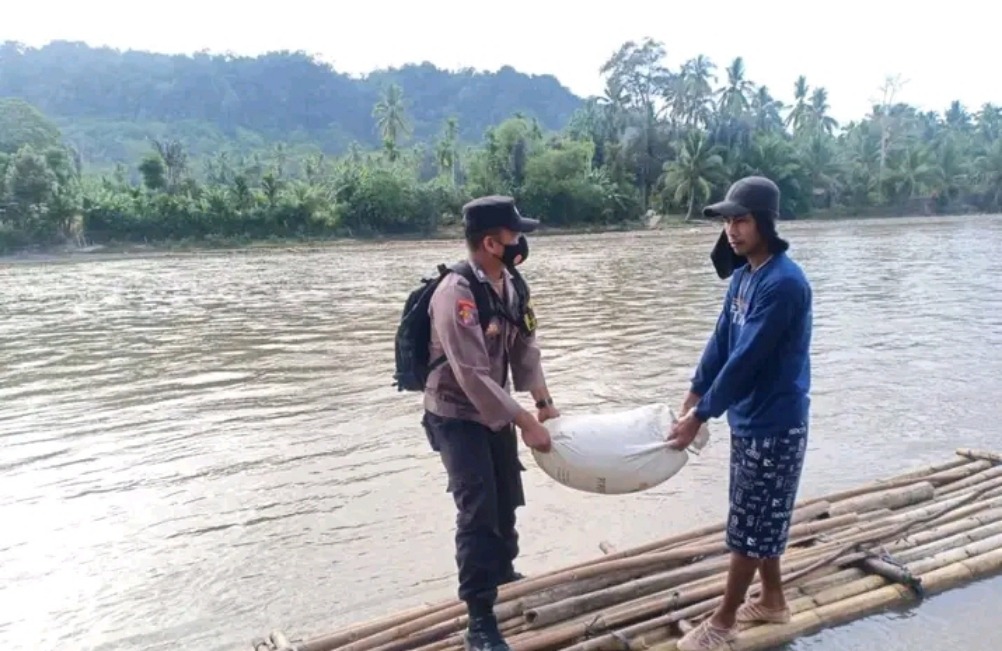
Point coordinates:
[[469, 411]]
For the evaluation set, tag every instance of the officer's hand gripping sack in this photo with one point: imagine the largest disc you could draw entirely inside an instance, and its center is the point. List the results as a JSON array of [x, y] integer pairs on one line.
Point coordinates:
[[617, 452]]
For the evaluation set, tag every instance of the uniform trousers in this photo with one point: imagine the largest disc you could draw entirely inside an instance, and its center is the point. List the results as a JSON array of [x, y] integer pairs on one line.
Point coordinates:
[[485, 480]]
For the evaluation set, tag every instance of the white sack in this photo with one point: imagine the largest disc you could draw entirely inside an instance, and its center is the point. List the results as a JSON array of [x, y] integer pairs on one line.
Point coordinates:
[[614, 453]]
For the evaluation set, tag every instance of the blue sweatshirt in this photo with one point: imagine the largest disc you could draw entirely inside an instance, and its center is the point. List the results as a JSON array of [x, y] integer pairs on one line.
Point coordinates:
[[756, 365]]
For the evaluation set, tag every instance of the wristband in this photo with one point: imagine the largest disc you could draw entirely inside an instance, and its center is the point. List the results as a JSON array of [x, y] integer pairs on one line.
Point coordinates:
[[546, 402]]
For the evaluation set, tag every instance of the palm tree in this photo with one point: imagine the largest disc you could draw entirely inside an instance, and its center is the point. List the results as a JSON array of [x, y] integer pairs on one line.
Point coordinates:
[[957, 116], [989, 170], [773, 156], [175, 160], [820, 120], [820, 164], [800, 113], [735, 97], [915, 174], [446, 151], [990, 122], [690, 177], [766, 110], [692, 91], [391, 119]]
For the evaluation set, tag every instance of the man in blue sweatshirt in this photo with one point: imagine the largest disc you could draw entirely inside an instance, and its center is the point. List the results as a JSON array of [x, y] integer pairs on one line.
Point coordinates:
[[755, 367]]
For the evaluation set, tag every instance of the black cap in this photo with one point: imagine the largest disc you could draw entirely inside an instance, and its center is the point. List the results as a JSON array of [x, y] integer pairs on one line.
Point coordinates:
[[752, 194], [496, 211]]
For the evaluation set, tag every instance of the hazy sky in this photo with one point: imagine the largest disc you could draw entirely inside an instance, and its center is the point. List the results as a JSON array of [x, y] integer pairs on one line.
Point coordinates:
[[849, 47]]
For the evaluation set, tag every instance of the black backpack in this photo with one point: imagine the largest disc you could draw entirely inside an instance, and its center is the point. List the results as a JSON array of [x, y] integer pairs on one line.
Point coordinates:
[[413, 338]]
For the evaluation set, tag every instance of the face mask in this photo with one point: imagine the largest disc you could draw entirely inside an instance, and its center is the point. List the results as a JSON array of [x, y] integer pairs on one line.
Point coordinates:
[[513, 251]]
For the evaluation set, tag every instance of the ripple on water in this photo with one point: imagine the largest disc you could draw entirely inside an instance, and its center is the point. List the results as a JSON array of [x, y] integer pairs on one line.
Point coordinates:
[[199, 449]]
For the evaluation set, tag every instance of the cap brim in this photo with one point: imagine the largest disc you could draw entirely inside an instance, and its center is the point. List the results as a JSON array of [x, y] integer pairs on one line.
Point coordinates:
[[526, 225], [725, 209]]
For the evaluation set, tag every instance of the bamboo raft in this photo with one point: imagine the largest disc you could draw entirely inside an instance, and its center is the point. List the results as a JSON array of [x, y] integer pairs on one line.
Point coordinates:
[[851, 553]]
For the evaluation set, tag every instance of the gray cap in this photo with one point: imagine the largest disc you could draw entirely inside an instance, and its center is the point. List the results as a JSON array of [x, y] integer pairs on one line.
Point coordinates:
[[752, 194]]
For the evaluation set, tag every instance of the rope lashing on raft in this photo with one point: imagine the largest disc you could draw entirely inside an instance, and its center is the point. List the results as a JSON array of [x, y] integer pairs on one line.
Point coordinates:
[[622, 639], [899, 574], [894, 571], [866, 546], [597, 628], [592, 628], [277, 641], [672, 603]]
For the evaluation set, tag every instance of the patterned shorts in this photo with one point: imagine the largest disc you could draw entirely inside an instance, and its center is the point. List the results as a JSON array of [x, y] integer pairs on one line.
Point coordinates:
[[765, 476]]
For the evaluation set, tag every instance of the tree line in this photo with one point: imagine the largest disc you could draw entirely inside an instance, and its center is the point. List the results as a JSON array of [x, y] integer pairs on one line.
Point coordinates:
[[659, 140], [109, 102]]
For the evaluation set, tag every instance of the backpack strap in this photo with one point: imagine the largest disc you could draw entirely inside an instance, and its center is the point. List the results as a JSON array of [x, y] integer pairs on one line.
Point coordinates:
[[527, 315], [486, 305], [489, 304], [481, 296]]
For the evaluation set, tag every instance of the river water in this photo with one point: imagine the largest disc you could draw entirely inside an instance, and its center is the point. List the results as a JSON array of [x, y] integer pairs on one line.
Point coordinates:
[[200, 448]]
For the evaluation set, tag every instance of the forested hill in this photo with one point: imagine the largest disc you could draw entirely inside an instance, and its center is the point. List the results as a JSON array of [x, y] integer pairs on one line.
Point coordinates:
[[108, 102]]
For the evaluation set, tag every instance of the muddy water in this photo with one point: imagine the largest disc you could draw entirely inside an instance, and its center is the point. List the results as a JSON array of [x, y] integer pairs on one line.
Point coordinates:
[[199, 449]]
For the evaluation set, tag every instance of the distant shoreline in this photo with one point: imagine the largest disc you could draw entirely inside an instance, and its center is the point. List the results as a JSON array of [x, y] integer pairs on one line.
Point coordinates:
[[112, 251], [117, 250]]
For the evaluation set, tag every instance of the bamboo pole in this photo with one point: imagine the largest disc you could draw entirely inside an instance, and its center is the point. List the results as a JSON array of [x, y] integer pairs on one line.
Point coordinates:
[[364, 629], [932, 469], [927, 511], [894, 498], [641, 628], [698, 600], [936, 474], [883, 535], [559, 610], [841, 576], [457, 621], [974, 480], [637, 613], [515, 607], [663, 622], [993, 457], [456, 613], [800, 514], [840, 612], [935, 514], [806, 511], [921, 565], [866, 534], [811, 620], [451, 615]]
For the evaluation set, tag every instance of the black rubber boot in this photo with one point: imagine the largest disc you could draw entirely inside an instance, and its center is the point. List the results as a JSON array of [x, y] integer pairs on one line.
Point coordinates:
[[482, 634], [512, 577]]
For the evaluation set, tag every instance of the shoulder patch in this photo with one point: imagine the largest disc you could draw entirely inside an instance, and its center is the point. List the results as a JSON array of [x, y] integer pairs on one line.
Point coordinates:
[[466, 310], [530, 317]]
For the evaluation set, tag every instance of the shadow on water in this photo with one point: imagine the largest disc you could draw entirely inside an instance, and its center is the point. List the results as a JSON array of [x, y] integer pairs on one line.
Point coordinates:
[[199, 449]]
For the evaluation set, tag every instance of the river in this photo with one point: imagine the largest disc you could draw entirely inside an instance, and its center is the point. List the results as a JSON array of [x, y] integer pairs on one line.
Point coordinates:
[[198, 449]]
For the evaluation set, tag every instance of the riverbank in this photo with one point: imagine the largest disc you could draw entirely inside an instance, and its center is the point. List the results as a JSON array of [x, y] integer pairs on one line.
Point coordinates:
[[69, 252], [235, 244]]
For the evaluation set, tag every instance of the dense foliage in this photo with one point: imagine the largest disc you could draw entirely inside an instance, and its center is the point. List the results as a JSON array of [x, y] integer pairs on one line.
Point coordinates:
[[659, 140]]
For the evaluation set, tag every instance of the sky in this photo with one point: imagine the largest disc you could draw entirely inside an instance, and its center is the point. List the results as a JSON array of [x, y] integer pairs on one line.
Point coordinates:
[[850, 47]]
